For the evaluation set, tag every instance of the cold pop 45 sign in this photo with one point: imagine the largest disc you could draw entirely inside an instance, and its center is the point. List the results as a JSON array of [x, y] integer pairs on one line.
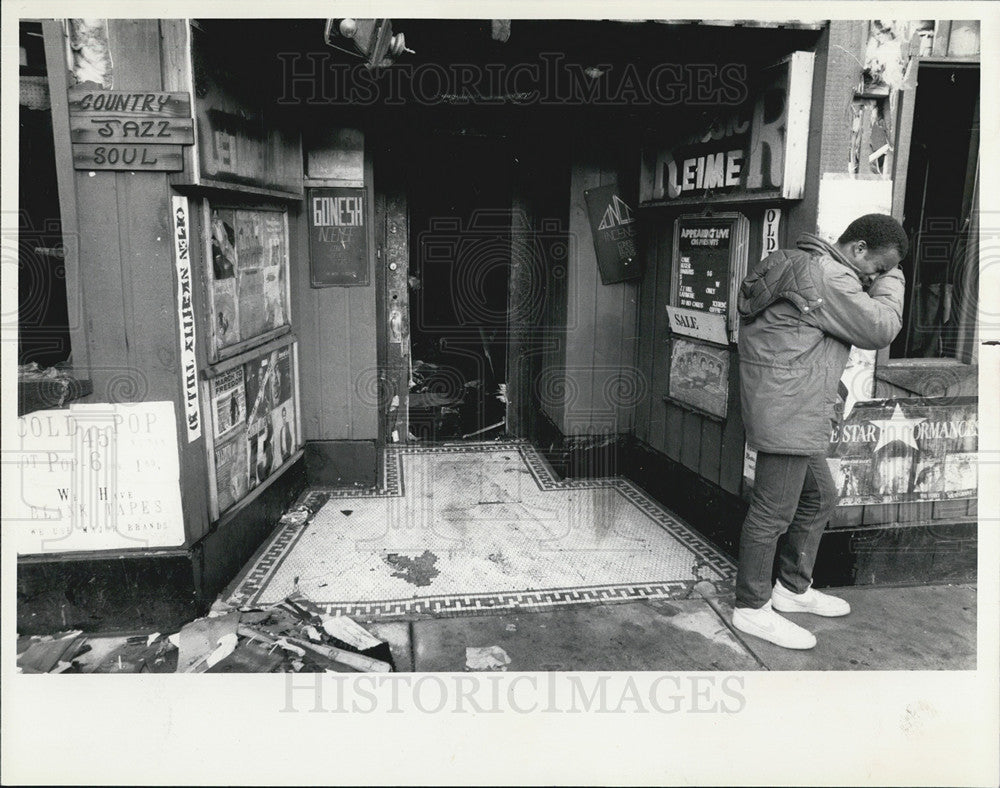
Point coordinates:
[[122, 130]]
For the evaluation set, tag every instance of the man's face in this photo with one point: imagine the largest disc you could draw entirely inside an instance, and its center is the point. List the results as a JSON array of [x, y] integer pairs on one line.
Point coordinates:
[[872, 263]]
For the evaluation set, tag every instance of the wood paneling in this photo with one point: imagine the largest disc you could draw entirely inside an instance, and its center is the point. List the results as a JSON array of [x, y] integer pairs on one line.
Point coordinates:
[[601, 320], [127, 289], [336, 327]]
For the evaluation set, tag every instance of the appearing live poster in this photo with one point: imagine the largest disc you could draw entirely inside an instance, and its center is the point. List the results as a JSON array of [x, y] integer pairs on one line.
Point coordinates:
[[703, 260], [699, 376], [248, 295], [906, 450]]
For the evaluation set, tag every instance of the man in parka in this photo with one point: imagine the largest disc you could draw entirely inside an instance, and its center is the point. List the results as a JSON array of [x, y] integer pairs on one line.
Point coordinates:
[[801, 310]]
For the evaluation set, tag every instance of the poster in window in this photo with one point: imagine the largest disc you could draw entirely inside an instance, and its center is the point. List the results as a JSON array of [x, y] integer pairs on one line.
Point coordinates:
[[703, 249], [699, 376], [248, 293], [231, 478], [225, 323], [904, 451], [270, 403], [228, 402], [709, 261]]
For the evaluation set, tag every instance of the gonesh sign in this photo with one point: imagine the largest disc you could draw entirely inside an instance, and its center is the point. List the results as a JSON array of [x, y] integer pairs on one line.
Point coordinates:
[[338, 236]]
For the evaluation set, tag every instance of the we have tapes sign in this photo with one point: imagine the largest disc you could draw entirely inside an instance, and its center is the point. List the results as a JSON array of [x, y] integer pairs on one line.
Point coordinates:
[[129, 130]]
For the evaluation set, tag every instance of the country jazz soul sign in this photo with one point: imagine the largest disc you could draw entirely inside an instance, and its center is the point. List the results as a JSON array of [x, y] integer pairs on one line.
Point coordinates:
[[129, 130]]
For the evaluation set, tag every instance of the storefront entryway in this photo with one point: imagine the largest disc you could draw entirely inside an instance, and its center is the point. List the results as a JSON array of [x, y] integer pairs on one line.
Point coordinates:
[[459, 195]]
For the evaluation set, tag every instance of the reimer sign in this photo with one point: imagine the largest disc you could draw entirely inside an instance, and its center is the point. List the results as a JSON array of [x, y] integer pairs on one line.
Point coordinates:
[[758, 151]]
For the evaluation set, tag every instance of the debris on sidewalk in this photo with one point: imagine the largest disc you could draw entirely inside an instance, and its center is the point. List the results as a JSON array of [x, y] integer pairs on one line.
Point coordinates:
[[486, 658], [140, 654], [50, 653], [292, 636], [303, 512]]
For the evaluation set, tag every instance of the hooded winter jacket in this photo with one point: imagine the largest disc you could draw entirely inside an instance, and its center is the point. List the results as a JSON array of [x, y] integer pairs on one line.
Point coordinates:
[[800, 311]]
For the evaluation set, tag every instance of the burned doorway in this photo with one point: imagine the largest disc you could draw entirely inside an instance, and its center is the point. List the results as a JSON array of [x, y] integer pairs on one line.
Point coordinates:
[[459, 196]]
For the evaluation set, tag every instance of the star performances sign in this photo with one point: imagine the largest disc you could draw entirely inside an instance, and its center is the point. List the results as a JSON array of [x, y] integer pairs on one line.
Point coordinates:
[[896, 451]]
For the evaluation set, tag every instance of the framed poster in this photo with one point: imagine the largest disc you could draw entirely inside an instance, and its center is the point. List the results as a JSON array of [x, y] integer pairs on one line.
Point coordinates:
[[338, 236], [613, 227], [248, 282], [905, 451], [699, 376], [256, 425], [709, 262]]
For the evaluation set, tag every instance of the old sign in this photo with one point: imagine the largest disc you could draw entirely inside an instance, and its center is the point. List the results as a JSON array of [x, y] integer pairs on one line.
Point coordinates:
[[97, 476], [129, 130], [338, 236], [613, 227], [900, 451], [759, 150]]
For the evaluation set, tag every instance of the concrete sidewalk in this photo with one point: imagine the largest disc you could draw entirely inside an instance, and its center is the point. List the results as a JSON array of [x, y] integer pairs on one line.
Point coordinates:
[[890, 628]]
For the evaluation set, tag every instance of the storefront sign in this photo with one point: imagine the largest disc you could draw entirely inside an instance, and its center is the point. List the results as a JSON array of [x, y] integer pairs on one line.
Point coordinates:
[[901, 451], [338, 236], [240, 140], [613, 227], [699, 376], [122, 130], [185, 316], [95, 477], [760, 150]]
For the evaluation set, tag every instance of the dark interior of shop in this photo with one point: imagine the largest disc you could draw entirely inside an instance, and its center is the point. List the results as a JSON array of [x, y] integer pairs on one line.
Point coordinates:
[[940, 185]]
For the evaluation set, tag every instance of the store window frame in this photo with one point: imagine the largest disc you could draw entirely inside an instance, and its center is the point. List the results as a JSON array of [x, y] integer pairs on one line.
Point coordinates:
[[960, 369]]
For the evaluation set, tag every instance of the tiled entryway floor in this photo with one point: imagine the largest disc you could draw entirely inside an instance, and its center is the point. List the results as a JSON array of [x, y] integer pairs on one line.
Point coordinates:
[[476, 527]]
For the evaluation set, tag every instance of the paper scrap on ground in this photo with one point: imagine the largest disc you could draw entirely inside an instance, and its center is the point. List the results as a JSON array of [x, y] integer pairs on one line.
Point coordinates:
[[200, 638], [227, 645], [352, 633], [486, 658]]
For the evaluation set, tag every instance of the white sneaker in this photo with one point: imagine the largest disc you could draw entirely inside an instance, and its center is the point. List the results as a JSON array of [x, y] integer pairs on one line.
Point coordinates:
[[811, 601], [765, 623]]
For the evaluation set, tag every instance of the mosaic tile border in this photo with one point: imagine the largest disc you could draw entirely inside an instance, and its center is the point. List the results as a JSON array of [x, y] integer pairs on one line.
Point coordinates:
[[471, 604], [252, 584]]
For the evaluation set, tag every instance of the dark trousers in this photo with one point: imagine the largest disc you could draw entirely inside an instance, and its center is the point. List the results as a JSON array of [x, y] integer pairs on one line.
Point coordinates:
[[790, 493]]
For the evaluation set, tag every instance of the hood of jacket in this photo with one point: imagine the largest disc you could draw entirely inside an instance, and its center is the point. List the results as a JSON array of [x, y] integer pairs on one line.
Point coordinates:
[[786, 275]]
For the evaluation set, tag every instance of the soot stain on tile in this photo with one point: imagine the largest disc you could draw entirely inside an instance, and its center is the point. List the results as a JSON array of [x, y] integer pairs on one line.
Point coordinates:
[[418, 571]]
